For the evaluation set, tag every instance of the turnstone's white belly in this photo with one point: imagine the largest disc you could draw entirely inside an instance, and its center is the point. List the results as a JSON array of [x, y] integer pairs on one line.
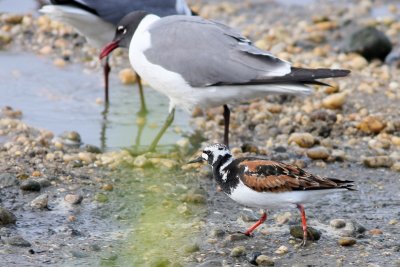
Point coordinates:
[[248, 197]]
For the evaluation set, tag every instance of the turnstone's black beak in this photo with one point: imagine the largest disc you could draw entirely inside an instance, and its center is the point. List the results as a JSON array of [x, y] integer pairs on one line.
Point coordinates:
[[199, 159]]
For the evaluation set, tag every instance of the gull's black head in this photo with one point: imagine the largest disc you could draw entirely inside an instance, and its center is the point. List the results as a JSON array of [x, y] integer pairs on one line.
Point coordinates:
[[126, 28]]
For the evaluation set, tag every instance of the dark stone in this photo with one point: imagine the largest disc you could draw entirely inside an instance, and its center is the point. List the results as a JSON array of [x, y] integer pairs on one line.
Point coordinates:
[[30, 185], [6, 217], [312, 233], [280, 149], [250, 148], [18, 241], [253, 257], [93, 149], [370, 42], [191, 248]]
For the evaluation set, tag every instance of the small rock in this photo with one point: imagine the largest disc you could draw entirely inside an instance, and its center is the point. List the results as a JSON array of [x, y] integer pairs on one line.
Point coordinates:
[[393, 222], [73, 199], [59, 62], [236, 237], [282, 250], [248, 215], [184, 209], [283, 218], [347, 241], [191, 248], [334, 101], [101, 198], [370, 42], [337, 223], [238, 251], [43, 182], [319, 152], [108, 187], [195, 198], [253, 256], [375, 231], [302, 139], [93, 149], [86, 157], [371, 124], [40, 202], [247, 147], [264, 260], [216, 233], [141, 162], [396, 167], [7, 180], [6, 217], [72, 136], [378, 161], [127, 76], [13, 18], [312, 233], [18, 241], [30, 185], [161, 163], [352, 229]]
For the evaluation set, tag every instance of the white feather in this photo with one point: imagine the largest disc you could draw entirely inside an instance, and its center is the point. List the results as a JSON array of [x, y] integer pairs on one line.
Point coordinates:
[[97, 31], [248, 197]]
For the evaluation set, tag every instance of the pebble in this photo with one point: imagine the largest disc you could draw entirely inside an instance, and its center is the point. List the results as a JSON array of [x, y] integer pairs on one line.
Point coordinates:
[[127, 76], [195, 198], [7, 217], [378, 161], [248, 215], [305, 140], [217, 233], [393, 222], [102, 198], [396, 167], [283, 218], [191, 248], [161, 163], [43, 182], [92, 149], [13, 18], [30, 185], [72, 136], [371, 124], [319, 152], [73, 198], [59, 62], [86, 157], [264, 260], [337, 223], [347, 241], [238, 251], [18, 241], [108, 187], [141, 162], [7, 180], [312, 233], [236, 237], [282, 250], [375, 232], [40, 202], [334, 101], [352, 229]]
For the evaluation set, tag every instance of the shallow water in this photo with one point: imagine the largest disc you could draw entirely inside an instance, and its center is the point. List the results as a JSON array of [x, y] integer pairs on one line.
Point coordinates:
[[18, 6], [65, 99]]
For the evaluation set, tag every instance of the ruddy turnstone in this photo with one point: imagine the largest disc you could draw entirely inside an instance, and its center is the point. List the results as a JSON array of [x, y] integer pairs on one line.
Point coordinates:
[[263, 183], [198, 62], [96, 20]]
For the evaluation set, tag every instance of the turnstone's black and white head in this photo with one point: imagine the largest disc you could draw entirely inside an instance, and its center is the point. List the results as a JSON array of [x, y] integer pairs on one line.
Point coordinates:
[[263, 183]]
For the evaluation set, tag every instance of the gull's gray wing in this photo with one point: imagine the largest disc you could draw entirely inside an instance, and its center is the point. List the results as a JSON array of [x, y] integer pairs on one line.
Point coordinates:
[[208, 53], [114, 10]]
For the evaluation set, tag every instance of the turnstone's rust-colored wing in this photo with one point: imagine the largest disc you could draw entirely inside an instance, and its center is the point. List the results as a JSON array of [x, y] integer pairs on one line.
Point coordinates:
[[272, 176]]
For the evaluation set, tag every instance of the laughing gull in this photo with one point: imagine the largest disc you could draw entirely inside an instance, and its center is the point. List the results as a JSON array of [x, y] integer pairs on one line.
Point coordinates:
[[200, 62], [97, 19]]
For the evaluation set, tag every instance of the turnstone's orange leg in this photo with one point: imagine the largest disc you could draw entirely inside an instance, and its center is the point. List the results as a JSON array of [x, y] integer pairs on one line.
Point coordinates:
[[260, 221], [106, 72], [304, 223], [227, 114]]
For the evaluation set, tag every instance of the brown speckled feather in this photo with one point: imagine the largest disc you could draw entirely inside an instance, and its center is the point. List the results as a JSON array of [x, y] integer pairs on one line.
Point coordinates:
[[272, 176]]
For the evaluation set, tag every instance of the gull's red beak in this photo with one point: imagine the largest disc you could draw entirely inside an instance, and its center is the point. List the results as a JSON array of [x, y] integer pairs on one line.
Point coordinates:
[[108, 49]]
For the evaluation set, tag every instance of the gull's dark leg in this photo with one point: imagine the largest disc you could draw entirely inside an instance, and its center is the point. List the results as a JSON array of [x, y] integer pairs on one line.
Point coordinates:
[[143, 109], [103, 137], [167, 123], [304, 223], [106, 71], [258, 223], [227, 114]]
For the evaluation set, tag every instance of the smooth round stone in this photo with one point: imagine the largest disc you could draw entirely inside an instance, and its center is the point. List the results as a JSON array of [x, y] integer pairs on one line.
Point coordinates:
[[347, 241], [6, 217], [30, 185]]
